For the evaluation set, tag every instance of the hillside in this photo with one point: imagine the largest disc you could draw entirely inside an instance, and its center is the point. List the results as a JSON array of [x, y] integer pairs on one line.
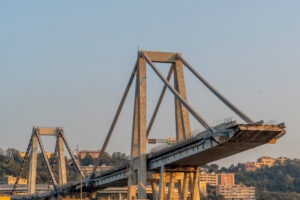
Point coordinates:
[[281, 181], [10, 163]]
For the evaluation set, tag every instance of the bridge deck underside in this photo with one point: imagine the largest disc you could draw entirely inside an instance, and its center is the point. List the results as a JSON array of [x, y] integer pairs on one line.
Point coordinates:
[[245, 138]]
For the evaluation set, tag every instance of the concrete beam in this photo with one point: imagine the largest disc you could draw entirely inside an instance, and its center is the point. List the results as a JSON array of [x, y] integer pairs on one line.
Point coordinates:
[[195, 192], [33, 165], [47, 131], [162, 57], [161, 191], [183, 127], [142, 128], [62, 173]]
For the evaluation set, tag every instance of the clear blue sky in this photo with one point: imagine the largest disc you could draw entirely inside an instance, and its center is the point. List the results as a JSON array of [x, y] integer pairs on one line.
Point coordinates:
[[66, 63]]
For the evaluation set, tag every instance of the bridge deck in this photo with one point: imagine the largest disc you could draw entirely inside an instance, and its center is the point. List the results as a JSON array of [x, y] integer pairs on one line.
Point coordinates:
[[198, 150], [245, 137]]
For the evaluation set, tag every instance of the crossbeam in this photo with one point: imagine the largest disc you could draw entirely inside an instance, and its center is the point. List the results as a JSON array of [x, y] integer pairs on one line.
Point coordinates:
[[49, 131], [161, 57]]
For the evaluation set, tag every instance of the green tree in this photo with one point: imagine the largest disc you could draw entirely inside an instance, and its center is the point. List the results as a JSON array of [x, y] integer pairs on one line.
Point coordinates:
[[87, 160], [213, 168], [118, 158]]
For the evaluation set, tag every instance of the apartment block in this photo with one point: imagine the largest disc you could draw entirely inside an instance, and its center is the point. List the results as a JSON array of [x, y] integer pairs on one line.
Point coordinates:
[[236, 192], [266, 161], [82, 154], [210, 178], [11, 180], [226, 179]]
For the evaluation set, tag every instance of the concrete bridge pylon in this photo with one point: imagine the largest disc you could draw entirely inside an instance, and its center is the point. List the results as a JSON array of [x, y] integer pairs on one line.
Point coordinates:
[[32, 154]]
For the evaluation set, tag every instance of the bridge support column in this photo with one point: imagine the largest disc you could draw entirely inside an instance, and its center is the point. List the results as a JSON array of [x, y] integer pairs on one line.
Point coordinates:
[[185, 187], [191, 183], [195, 190], [142, 129], [62, 174], [33, 165], [171, 186], [139, 136], [154, 190], [92, 195], [132, 179], [132, 187], [131, 192], [183, 127], [180, 187], [161, 191]]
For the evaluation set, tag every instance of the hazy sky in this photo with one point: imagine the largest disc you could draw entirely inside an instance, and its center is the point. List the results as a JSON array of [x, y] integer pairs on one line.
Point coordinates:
[[66, 63]]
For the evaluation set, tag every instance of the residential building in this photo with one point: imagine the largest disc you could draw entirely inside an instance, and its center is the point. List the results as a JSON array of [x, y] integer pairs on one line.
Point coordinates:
[[48, 154], [226, 179], [11, 180], [266, 161], [236, 192], [262, 162], [281, 160], [82, 154], [210, 178]]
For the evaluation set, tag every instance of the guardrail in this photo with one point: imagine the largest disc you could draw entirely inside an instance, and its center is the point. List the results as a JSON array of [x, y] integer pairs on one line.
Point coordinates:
[[196, 135]]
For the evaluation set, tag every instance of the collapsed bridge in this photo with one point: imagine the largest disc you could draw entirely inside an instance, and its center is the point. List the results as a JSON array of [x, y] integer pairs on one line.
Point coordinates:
[[176, 163]]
